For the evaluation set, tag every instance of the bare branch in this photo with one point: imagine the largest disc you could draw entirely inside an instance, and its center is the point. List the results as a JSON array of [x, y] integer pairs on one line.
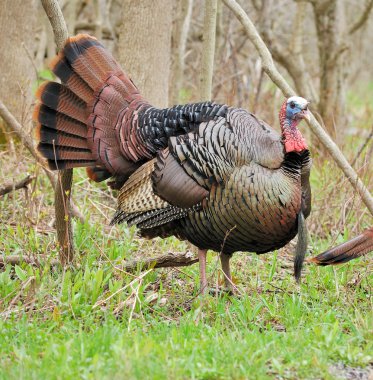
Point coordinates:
[[22, 184], [264, 53], [26, 140], [293, 60], [368, 140], [271, 70], [54, 13], [63, 188], [362, 19]]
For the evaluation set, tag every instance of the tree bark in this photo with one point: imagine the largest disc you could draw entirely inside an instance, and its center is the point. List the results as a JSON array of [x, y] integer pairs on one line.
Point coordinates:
[[208, 49], [179, 38], [17, 30], [327, 34], [145, 45]]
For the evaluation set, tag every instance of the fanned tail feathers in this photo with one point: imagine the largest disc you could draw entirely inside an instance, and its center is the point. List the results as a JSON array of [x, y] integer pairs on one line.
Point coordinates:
[[347, 251], [76, 119]]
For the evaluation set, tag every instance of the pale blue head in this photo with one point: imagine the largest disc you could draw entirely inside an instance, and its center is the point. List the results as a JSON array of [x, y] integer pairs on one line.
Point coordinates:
[[297, 108], [292, 111]]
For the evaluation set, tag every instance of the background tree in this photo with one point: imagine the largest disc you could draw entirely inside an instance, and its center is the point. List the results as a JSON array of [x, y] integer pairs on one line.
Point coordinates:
[[17, 28], [144, 47]]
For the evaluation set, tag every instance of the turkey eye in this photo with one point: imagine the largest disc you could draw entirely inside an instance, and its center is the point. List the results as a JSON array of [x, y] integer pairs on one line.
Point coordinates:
[[292, 105]]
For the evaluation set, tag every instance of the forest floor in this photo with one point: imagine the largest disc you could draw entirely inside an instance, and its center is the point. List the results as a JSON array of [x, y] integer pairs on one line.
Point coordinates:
[[94, 321]]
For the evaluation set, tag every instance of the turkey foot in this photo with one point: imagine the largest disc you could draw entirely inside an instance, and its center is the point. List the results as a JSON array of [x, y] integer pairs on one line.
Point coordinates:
[[224, 259]]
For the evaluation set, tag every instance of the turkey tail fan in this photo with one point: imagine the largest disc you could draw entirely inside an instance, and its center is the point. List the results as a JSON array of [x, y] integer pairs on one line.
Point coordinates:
[[301, 248], [74, 119], [352, 249]]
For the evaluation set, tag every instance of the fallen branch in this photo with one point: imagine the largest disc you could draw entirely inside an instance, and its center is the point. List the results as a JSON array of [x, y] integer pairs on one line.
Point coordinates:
[[32, 260], [271, 70], [167, 260], [22, 184]]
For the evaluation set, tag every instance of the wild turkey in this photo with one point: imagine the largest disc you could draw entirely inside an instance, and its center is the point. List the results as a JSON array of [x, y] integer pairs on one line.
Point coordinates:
[[352, 249], [216, 176]]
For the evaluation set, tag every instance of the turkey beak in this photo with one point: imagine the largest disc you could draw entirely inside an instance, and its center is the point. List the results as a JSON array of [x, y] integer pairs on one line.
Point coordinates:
[[305, 114]]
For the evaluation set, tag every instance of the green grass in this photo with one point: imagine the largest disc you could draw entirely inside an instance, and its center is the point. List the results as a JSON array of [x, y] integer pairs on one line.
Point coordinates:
[[56, 324]]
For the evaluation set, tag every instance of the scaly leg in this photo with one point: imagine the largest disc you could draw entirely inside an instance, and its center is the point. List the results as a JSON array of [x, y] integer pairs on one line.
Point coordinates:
[[202, 270], [226, 270]]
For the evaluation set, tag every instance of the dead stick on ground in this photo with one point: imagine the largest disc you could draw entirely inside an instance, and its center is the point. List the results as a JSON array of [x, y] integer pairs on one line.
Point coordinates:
[[17, 260], [169, 259], [22, 184], [63, 188], [271, 70]]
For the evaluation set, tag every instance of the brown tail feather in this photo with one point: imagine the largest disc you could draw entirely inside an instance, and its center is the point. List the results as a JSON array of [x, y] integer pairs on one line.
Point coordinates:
[[76, 119], [347, 251]]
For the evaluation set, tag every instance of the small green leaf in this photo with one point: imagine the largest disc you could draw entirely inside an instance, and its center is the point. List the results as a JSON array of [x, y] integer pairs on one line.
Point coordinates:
[[21, 274]]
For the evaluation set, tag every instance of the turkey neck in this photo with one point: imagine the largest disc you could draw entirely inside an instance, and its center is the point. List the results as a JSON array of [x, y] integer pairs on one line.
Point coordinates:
[[296, 152], [292, 138]]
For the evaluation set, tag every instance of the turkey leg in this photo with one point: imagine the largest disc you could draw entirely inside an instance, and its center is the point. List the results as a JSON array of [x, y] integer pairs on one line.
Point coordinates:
[[224, 259], [202, 270]]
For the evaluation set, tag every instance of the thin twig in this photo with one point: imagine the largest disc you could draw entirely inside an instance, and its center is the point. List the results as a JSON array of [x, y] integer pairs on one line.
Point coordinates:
[[363, 146], [99, 303], [362, 19]]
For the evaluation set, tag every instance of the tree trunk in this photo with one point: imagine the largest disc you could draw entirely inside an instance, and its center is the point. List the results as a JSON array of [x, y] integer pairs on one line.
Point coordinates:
[[328, 33], [17, 31], [145, 45], [179, 39], [208, 50]]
